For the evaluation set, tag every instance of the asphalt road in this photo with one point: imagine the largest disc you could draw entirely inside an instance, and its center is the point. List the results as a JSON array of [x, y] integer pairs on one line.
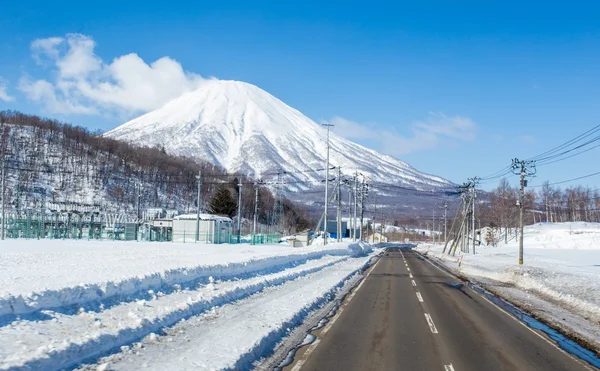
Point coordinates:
[[409, 315]]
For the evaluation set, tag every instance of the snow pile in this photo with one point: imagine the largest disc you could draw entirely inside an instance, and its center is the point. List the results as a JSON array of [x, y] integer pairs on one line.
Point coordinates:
[[561, 266], [59, 273], [235, 335], [131, 291], [360, 248]]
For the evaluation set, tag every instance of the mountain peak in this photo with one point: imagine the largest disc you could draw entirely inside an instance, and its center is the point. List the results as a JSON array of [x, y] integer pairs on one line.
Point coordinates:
[[243, 128]]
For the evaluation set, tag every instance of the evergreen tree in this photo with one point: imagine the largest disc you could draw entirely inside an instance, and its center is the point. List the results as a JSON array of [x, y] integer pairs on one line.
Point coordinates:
[[223, 203]]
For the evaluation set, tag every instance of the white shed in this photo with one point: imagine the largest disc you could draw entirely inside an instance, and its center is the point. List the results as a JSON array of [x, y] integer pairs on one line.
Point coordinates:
[[212, 228]]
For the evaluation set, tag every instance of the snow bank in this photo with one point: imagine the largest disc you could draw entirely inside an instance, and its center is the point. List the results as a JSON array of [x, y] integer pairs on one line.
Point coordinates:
[[360, 248], [37, 275], [561, 265], [234, 336], [69, 339]]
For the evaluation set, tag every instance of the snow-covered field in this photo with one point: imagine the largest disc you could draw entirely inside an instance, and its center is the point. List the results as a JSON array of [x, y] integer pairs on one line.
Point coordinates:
[[63, 303], [560, 277]]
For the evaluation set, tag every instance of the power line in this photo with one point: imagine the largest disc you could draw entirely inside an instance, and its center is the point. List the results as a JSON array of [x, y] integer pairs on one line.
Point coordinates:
[[566, 144], [568, 180], [564, 158], [550, 157]]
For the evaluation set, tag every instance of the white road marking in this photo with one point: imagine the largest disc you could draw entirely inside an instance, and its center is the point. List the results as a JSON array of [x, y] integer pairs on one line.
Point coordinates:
[[514, 318], [414, 283], [408, 268], [430, 323], [419, 297], [310, 349], [410, 275], [448, 367]]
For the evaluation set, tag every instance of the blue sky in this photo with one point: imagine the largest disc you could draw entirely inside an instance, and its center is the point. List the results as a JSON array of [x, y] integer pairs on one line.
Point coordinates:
[[456, 89]]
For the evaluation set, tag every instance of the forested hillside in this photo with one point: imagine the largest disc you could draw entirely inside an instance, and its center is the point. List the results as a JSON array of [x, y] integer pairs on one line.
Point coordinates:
[[52, 165]]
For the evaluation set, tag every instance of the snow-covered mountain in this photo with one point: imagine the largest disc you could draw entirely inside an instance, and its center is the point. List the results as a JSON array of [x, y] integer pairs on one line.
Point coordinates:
[[243, 128]]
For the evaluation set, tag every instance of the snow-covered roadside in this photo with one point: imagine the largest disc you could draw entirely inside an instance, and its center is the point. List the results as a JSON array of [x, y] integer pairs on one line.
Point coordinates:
[[66, 336], [559, 281], [36, 275], [235, 335]]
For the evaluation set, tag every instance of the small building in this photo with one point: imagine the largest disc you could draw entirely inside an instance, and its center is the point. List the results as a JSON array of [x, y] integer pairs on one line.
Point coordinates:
[[332, 228], [209, 229], [299, 239]]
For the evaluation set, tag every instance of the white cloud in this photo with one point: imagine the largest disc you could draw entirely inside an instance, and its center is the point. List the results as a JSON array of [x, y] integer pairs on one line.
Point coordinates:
[[3, 92], [45, 47], [84, 84], [435, 131]]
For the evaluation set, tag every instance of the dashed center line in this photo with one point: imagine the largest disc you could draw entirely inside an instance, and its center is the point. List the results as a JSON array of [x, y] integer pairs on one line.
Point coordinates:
[[430, 323], [448, 367], [408, 268], [414, 283], [419, 297], [410, 275]]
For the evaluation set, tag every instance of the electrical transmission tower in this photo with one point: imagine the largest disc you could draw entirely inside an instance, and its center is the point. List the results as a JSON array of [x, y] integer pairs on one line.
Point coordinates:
[[524, 169]]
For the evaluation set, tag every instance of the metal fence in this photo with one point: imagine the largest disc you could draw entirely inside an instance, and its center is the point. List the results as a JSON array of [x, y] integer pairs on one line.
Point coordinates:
[[48, 227]]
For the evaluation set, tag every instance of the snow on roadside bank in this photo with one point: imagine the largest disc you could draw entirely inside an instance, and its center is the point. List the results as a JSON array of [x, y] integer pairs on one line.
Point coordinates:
[[561, 267], [65, 336], [37, 275], [235, 335]]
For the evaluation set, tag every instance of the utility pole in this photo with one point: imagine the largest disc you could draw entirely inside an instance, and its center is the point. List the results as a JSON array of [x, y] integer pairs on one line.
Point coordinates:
[[339, 206], [374, 219], [433, 225], [255, 213], [473, 184], [326, 185], [349, 226], [139, 219], [524, 169], [4, 144], [139, 198], [362, 207], [355, 206], [445, 222], [199, 178], [239, 218], [3, 189]]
